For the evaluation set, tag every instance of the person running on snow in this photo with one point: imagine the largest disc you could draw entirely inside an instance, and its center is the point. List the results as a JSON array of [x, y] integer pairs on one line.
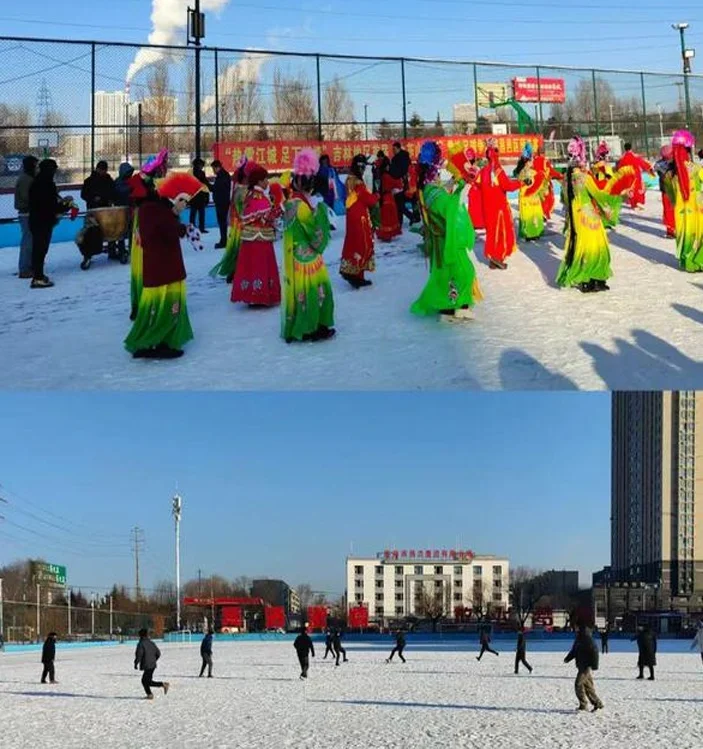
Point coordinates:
[[328, 644], [486, 645], [304, 648], [585, 653], [337, 645], [399, 647], [697, 643], [48, 655], [521, 651], [145, 658], [206, 654]]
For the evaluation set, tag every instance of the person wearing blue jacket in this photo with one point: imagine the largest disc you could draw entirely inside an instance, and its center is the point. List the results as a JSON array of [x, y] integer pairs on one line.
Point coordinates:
[[206, 654]]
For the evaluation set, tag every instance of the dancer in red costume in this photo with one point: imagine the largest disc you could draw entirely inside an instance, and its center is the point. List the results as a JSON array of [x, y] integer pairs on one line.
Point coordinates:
[[664, 167], [475, 198], [390, 186], [542, 165], [495, 186], [601, 170], [629, 158]]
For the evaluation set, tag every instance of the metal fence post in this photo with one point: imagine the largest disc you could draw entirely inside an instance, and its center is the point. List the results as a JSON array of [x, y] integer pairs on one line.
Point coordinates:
[[540, 116], [405, 98], [319, 100], [217, 98], [92, 104], [644, 114], [476, 96], [139, 130], [595, 103]]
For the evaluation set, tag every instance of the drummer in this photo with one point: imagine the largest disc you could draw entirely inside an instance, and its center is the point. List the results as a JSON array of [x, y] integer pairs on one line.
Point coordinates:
[[99, 189]]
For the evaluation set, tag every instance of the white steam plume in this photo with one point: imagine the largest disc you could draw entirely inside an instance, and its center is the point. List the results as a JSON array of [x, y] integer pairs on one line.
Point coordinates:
[[233, 77], [168, 18]]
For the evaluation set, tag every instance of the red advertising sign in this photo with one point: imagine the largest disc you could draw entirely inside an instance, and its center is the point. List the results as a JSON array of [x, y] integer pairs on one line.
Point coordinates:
[[231, 616], [534, 90], [278, 155], [275, 617], [358, 617], [317, 617]]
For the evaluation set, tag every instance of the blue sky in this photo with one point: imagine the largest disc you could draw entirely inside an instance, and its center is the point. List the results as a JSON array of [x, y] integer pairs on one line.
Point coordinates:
[[284, 485]]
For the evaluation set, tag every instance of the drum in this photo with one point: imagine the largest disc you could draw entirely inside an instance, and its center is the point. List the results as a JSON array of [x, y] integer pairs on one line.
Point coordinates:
[[113, 220]]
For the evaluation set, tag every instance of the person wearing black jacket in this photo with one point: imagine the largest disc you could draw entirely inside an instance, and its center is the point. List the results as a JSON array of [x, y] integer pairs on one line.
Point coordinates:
[[199, 203], [222, 197], [521, 652], [48, 656], [206, 654], [99, 189], [45, 206], [647, 648], [337, 646], [304, 648], [145, 659], [604, 635], [399, 647], [400, 169], [585, 653], [328, 644], [486, 645]]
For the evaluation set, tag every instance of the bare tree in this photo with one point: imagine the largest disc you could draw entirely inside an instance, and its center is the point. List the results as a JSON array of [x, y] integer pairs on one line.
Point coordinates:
[[337, 111], [14, 140], [293, 107], [430, 603], [524, 592], [306, 595], [159, 107], [241, 105]]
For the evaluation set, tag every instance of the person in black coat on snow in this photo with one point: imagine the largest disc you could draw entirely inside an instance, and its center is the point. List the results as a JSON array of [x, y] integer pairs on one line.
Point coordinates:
[[329, 650], [647, 647], [604, 635], [486, 645], [337, 645], [206, 654], [200, 202], [48, 656], [99, 189], [400, 169], [45, 207], [585, 653], [222, 197], [304, 648], [145, 659], [521, 652], [399, 647]]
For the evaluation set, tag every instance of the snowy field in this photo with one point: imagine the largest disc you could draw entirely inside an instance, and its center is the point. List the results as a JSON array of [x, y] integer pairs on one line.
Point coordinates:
[[528, 334], [439, 698]]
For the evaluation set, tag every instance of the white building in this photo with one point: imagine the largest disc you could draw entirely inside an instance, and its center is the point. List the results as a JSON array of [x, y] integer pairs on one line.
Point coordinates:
[[110, 120], [464, 114], [389, 583]]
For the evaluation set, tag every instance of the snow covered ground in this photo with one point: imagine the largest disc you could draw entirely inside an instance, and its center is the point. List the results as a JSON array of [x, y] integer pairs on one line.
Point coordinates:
[[439, 698], [644, 334]]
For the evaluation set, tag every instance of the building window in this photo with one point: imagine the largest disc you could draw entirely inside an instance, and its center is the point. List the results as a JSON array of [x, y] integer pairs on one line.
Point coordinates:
[[438, 570], [359, 584], [399, 570], [438, 583], [457, 583], [457, 597], [379, 597], [379, 610], [399, 611], [398, 583], [359, 597], [497, 571], [497, 598], [379, 569], [478, 570], [399, 597], [379, 583], [458, 570], [358, 569], [418, 570]]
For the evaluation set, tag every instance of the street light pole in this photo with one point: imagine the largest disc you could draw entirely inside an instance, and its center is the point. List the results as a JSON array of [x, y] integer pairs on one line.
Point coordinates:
[[686, 55], [661, 122], [612, 121], [92, 615], [196, 23], [177, 506], [366, 121]]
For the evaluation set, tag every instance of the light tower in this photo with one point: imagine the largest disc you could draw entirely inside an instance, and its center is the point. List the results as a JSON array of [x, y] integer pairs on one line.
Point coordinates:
[[176, 507], [686, 55]]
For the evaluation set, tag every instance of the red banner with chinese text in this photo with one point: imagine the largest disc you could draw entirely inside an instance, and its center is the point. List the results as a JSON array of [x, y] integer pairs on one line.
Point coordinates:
[[275, 617], [278, 155], [533, 90], [358, 617], [317, 617]]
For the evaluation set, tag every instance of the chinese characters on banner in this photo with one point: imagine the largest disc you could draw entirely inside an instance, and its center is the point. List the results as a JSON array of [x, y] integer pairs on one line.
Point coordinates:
[[358, 617], [533, 90], [278, 155], [445, 554]]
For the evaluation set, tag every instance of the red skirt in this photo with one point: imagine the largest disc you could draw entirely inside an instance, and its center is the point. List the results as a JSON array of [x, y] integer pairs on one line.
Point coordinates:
[[669, 217], [390, 225], [256, 280], [476, 207], [548, 203]]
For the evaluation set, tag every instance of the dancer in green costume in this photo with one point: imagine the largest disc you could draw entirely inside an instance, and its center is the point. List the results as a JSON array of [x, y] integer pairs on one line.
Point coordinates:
[[308, 306], [227, 266], [452, 287]]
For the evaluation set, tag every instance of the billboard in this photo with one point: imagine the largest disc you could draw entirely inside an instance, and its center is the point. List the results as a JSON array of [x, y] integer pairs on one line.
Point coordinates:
[[44, 573], [317, 617], [275, 617], [534, 90], [492, 93], [358, 617]]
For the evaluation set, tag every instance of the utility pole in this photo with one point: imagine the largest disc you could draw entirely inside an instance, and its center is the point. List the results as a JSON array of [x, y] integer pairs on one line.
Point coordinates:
[[68, 601], [366, 121], [2, 616], [686, 55], [111, 627], [196, 33], [38, 611], [200, 581], [176, 508], [137, 546], [92, 615]]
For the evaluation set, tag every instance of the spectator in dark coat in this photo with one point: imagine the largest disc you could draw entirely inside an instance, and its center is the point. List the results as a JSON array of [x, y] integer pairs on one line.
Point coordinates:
[[123, 190], [24, 182], [604, 635], [322, 181], [400, 169], [45, 206], [145, 659], [222, 197], [200, 202], [206, 654], [585, 653], [399, 647], [647, 647], [304, 648], [99, 189], [328, 644], [486, 645], [521, 652], [337, 646], [48, 656]]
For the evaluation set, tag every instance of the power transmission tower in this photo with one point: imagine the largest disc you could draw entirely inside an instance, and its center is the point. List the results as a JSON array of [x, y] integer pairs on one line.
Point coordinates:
[[43, 105], [137, 546]]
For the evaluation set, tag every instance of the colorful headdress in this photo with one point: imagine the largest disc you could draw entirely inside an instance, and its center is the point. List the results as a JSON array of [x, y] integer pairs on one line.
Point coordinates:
[[458, 162], [683, 138], [255, 173], [577, 150], [157, 163], [527, 151], [430, 157], [603, 151], [177, 184], [306, 163], [470, 154], [682, 142], [667, 153]]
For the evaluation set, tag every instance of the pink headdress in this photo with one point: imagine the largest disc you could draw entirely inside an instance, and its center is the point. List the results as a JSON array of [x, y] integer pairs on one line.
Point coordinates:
[[577, 150], [306, 163], [603, 151], [156, 164], [683, 138], [682, 143]]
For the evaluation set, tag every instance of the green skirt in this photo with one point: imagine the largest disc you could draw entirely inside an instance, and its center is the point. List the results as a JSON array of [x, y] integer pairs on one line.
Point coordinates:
[[136, 265], [162, 318]]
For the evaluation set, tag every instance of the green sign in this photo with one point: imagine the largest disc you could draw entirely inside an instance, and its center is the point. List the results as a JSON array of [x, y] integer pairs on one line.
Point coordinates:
[[48, 574]]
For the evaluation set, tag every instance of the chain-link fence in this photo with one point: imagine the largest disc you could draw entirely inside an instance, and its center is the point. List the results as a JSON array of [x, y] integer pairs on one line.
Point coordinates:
[[80, 102]]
